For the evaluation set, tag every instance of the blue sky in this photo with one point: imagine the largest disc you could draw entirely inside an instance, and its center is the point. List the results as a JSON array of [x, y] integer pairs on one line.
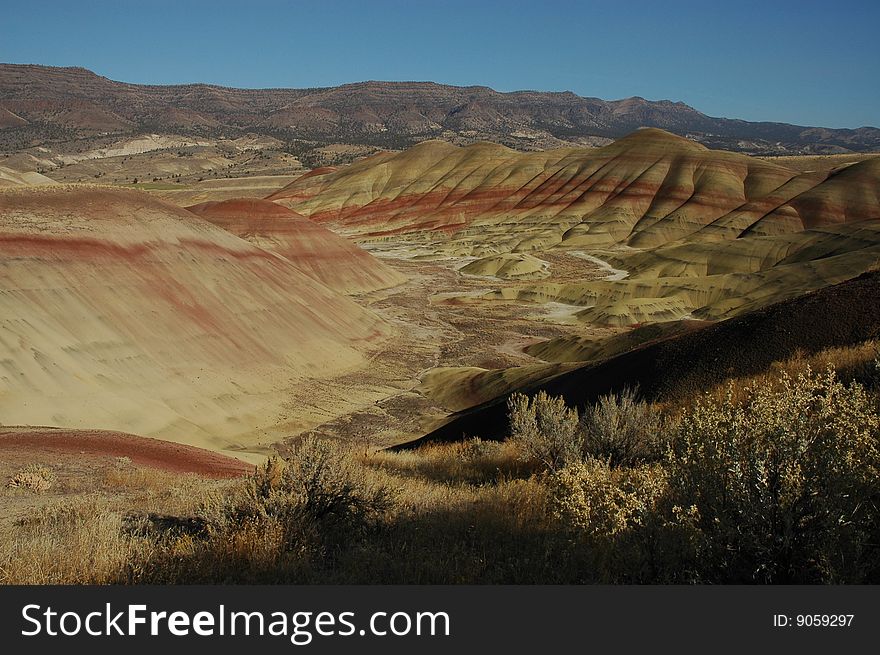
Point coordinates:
[[806, 62]]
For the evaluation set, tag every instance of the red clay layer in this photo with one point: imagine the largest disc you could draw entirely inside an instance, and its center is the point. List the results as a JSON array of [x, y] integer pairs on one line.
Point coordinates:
[[442, 209], [322, 254], [243, 208], [143, 451]]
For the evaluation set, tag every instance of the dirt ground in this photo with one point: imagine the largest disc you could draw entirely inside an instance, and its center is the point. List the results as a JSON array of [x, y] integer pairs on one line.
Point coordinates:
[[435, 328]]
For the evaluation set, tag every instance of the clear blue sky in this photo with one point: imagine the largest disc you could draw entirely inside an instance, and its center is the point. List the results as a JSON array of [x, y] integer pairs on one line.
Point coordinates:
[[806, 62]]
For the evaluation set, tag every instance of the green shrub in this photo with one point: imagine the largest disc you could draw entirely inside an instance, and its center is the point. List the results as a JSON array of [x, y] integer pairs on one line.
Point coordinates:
[[623, 431], [544, 430]]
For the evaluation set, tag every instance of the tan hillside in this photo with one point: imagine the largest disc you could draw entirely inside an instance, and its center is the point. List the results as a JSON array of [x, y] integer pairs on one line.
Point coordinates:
[[517, 266], [323, 255], [11, 178], [122, 312], [457, 388], [607, 191], [583, 349]]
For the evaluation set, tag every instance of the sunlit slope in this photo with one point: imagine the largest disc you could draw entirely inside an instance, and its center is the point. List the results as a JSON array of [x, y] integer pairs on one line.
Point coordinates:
[[514, 266], [702, 233], [12, 178], [623, 189], [457, 388], [716, 280], [645, 190], [119, 311], [432, 186], [585, 349], [323, 255]]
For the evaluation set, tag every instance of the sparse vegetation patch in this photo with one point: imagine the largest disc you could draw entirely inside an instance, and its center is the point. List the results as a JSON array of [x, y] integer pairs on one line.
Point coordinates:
[[769, 480], [34, 477]]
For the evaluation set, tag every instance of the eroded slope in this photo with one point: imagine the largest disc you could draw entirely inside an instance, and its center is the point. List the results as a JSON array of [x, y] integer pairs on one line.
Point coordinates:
[[323, 255], [119, 311], [696, 232]]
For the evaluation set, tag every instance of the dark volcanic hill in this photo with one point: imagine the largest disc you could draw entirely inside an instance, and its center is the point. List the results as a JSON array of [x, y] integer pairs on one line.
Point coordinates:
[[40, 104]]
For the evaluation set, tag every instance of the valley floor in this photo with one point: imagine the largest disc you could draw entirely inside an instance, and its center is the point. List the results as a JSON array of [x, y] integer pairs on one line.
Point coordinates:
[[382, 404], [386, 403]]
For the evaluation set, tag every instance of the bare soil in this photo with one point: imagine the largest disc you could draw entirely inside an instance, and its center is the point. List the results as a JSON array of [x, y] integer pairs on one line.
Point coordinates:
[[435, 328]]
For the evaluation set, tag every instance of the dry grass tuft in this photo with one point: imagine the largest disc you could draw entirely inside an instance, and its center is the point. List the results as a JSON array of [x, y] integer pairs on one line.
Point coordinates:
[[471, 462], [68, 543]]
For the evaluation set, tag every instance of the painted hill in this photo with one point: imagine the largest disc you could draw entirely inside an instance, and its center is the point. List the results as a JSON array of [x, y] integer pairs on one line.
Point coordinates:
[[698, 232], [643, 190], [42, 103], [60, 447], [585, 349], [122, 312], [696, 359], [321, 254]]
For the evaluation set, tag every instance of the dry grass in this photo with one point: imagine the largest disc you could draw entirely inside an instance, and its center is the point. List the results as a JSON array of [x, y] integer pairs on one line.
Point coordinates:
[[473, 462], [69, 543], [131, 479], [461, 513], [475, 512], [852, 364]]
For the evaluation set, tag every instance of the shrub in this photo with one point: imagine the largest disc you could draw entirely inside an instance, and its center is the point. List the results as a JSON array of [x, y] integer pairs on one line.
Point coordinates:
[[597, 499], [545, 430], [620, 519], [784, 483], [623, 431], [293, 514], [874, 381], [320, 483], [36, 477]]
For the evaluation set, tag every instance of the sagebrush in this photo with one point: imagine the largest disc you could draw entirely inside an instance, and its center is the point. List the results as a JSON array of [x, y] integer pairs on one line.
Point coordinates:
[[774, 480]]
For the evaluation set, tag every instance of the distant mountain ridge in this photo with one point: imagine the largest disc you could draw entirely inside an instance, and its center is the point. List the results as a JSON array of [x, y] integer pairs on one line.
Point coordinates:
[[42, 103]]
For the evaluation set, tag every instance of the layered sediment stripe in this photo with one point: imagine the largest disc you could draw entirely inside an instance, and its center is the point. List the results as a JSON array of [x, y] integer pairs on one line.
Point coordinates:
[[119, 311], [327, 257]]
